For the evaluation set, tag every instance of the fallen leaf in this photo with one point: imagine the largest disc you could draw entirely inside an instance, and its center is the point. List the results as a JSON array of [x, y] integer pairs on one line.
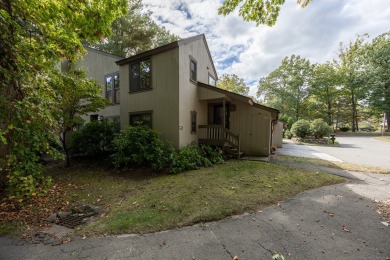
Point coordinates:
[[346, 229]]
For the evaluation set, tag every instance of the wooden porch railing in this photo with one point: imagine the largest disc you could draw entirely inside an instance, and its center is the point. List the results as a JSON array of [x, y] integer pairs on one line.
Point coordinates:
[[218, 135]]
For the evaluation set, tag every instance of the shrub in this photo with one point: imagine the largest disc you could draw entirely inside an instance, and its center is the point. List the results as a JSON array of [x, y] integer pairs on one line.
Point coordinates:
[[301, 128], [193, 157], [319, 128], [140, 145], [93, 139], [214, 155], [344, 128], [288, 134]]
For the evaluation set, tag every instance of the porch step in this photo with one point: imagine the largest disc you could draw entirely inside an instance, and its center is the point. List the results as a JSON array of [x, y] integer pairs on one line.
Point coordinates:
[[233, 151]]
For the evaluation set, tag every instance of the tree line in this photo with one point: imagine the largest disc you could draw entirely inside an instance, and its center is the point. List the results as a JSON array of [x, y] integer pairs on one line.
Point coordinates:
[[345, 91]]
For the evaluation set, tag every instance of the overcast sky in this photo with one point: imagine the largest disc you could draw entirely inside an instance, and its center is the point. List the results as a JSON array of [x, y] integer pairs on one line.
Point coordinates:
[[252, 52]]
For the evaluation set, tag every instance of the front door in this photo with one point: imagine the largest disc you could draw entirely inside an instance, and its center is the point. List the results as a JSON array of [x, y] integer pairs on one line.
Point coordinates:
[[217, 115]]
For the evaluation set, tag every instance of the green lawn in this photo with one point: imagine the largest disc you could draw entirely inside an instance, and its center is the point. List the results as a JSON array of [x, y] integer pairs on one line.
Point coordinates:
[[153, 203], [140, 201]]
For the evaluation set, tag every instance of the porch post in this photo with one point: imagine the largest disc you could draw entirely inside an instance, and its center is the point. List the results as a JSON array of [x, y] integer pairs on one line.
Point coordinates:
[[224, 113]]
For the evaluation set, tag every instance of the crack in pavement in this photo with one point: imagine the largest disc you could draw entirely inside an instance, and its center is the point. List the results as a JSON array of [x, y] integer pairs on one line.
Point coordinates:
[[223, 245]]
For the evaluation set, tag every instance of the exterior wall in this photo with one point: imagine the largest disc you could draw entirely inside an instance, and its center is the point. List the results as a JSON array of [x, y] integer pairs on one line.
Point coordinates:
[[188, 90], [97, 65], [162, 100], [277, 135], [254, 126]]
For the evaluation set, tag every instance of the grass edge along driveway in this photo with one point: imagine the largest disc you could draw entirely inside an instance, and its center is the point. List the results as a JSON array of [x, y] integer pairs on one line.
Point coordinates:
[[170, 201]]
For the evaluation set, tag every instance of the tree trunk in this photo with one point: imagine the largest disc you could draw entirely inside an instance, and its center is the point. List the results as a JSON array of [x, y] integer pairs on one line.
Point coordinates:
[[353, 111], [65, 147], [388, 121], [329, 112]]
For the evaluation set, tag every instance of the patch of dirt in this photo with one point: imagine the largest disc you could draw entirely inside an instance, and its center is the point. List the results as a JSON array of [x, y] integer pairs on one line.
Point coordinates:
[[34, 212], [384, 210]]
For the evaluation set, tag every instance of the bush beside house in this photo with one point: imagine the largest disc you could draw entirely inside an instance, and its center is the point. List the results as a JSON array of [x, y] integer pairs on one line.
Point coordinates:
[[140, 146], [93, 139]]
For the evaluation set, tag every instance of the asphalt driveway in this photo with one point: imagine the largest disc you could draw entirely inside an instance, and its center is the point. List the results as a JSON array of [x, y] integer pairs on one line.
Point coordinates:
[[334, 222], [360, 150], [357, 150]]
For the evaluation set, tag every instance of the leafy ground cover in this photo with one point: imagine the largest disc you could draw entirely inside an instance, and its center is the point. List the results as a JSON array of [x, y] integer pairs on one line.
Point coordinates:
[[141, 201], [332, 164]]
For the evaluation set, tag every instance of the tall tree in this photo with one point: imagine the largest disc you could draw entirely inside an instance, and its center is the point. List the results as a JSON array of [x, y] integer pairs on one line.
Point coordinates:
[[76, 96], [286, 88], [134, 33], [34, 36], [261, 11], [378, 74], [323, 89], [352, 76], [233, 83]]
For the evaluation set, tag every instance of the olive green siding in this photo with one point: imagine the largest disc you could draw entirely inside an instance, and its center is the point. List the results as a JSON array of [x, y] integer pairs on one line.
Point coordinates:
[[162, 100], [188, 90], [97, 65], [254, 126]]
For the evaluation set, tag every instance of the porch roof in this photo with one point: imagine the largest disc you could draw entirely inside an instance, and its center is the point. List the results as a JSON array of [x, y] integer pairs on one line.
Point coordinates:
[[208, 92]]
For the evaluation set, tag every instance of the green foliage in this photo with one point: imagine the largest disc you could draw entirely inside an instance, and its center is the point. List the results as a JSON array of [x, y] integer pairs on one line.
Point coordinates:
[[233, 84], [288, 121], [94, 139], [193, 157], [286, 88], [377, 65], [301, 128], [344, 128], [34, 37], [288, 134], [323, 90], [319, 129], [135, 33], [76, 96], [140, 145], [261, 11]]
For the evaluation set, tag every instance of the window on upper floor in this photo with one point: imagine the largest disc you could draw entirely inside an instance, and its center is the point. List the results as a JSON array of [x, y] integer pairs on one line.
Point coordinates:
[[193, 70], [212, 81], [112, 88], [141, 118], [140, 76]]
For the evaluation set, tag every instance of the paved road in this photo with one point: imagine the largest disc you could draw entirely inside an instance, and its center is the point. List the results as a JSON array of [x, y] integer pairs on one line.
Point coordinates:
[[292, 149], [334, 222], [360, 150]]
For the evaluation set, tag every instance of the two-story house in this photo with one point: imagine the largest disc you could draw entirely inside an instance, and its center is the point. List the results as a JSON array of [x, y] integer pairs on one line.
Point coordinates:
[[172, 89]]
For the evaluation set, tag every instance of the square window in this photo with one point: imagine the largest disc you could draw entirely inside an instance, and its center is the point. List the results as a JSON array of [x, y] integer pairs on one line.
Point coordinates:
[[144, 118], [140, 76]]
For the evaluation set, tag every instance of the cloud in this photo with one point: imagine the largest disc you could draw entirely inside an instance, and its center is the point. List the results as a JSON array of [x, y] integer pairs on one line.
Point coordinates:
[[253, 52]]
